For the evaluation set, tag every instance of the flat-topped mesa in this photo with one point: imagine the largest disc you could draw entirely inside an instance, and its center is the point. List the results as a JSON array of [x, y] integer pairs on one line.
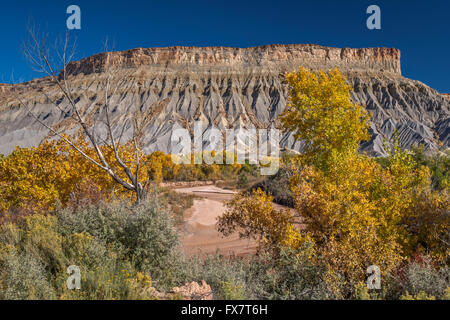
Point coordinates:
[[169, 88], [271, 58]]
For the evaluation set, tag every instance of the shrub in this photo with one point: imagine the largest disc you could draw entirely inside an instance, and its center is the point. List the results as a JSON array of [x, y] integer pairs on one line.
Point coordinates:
[[439, 165], [116, 246], [24, 277], [215, 269], [143, 234], [425, 278], [253, 216], [420, 296], [232, 291], [292, 275]]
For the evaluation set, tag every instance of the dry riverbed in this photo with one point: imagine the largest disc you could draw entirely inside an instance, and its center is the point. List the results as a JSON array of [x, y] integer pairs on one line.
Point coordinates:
[[199, 234]]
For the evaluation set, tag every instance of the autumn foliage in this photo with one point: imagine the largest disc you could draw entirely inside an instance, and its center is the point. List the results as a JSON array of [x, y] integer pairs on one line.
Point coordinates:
[[53, 172], [355, 211], [40, 178], [349, 211], [320, 113], [254, 216]]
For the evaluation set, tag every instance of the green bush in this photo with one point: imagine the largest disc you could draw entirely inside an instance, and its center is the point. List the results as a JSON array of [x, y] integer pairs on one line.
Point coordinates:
[[290, 275], [116, 246], [214, 269], [24, 277], [425, 278], [232, 291], [143, 234], [439, 164], [125, 252], [293, 275]]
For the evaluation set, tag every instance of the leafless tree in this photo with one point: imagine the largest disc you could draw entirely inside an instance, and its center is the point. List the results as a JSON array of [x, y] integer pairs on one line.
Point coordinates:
[[53, 62]]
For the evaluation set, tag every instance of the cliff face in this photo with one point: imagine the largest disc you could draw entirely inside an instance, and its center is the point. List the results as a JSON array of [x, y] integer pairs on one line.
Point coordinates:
[[4, 88], [264, 58], [169, 88]]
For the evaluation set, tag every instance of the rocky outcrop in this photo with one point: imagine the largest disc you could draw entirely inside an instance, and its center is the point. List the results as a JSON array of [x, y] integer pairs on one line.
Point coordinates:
[[194, 291], [4, 88], [189, 291], [168, 88]]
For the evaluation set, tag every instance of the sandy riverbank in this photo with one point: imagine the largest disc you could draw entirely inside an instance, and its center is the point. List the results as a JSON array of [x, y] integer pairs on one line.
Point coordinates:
[[199, 234]]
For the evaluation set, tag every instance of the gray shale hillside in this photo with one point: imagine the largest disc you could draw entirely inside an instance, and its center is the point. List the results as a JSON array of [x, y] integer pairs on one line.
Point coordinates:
[[167, 88]]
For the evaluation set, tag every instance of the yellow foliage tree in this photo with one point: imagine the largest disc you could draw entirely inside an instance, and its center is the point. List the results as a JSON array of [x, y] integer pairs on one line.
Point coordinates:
[[41, 176], [38, 178], [157, 162], [319, 112], [253, 216], [31, 176], [357, 212], [352, 228]]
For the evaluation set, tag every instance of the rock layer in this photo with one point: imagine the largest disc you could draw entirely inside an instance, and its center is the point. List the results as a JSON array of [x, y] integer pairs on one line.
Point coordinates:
[[239, 59], [168, 88]]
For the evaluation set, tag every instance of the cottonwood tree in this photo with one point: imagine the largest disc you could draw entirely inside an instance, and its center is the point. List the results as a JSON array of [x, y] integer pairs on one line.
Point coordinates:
[[97, 126], [356, 212]]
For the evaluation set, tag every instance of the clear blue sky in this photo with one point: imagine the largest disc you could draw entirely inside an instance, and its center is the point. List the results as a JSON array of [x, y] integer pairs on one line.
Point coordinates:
[[420, 29]]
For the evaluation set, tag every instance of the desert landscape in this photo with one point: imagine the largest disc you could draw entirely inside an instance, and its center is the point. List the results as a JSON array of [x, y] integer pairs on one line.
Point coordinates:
[[224, 88], [362, 164], [225, 151]]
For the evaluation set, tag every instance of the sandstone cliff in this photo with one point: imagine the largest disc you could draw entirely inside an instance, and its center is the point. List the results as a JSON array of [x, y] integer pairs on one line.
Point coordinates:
[[229, 87]]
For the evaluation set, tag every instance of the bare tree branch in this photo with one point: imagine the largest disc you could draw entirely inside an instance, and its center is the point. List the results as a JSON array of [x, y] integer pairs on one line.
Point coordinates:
[[39, 55]]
